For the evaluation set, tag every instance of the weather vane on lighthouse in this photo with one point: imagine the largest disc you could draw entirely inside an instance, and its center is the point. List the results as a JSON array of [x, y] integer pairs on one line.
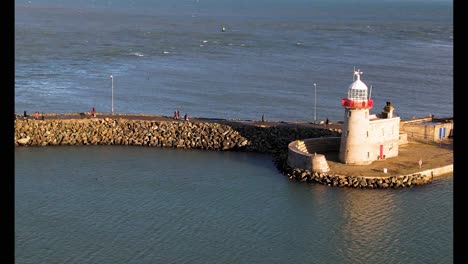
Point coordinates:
[[358, 73]]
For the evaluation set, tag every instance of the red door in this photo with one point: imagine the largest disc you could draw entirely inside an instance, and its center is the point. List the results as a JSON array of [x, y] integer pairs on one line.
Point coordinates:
[[381, 152]]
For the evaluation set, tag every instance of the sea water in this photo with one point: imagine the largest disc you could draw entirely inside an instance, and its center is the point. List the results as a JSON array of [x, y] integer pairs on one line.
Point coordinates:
[[116, 204]]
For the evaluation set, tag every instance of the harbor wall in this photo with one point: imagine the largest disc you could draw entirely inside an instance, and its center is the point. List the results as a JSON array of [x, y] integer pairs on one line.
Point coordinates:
[[172, 134], [210, 136], [331, 179], [301, 158]]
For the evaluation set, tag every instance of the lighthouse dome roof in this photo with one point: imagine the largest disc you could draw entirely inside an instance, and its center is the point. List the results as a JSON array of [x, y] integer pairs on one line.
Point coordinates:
[[357, 91], [357, 85]]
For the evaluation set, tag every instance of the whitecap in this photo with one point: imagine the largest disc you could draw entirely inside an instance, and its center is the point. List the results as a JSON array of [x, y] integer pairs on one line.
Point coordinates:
[[138, 54]]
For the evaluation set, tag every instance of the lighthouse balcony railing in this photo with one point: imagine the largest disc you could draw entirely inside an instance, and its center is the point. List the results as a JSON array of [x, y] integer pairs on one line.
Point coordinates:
[[357, 104]]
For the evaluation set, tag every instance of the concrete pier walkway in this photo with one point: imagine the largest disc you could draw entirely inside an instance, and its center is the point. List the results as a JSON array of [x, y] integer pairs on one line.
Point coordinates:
[[438, 158]]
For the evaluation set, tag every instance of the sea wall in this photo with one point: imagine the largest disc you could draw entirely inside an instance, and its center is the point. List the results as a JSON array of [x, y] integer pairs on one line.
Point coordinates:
[[301, 153], [300, 160], [173, 134], [210, 136], [126, 132], [395, 181]]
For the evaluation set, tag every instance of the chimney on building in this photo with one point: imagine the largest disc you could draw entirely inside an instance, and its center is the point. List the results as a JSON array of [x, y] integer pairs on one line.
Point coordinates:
[[388, 110]]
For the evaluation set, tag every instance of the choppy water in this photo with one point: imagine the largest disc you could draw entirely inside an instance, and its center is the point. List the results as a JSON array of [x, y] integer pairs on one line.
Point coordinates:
[[165, 56], [115, 204], [149, 205]]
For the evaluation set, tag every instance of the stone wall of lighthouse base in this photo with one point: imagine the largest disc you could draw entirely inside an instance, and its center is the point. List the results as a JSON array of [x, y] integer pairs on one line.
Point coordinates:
[[395, 181], [300, 166]]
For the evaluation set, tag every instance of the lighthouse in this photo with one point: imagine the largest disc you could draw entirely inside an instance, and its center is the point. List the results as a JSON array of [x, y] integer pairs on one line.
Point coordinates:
[[353, 147], [366, 137]]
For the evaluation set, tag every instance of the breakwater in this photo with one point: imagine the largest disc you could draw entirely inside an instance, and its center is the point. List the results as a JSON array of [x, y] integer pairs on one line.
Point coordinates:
[[199, 135], [330, 179], [173, 134]]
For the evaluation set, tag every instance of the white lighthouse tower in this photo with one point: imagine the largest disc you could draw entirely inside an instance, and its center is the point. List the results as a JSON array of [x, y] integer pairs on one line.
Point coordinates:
[[354, 147], [364, 137]]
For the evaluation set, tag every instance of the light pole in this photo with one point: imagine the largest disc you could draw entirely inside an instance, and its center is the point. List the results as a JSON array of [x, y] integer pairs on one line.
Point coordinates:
[[315, 103], [112, 80]]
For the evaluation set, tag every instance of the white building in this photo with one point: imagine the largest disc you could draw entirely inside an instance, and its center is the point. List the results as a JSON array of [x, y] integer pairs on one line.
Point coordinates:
[[365, 137]]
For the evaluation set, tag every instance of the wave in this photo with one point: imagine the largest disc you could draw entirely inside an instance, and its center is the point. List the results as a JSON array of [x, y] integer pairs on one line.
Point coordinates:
[[137, 54]]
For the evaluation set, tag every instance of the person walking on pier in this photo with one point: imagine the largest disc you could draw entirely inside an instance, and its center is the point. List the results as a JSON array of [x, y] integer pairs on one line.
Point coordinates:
[[176, 114]]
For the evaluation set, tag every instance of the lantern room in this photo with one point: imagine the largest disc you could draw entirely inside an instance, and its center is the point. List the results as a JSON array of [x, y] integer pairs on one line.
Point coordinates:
[[357, 94]]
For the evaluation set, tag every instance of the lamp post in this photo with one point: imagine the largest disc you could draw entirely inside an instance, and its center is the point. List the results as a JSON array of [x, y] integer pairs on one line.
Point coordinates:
[[112, 80], [315, 103]]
